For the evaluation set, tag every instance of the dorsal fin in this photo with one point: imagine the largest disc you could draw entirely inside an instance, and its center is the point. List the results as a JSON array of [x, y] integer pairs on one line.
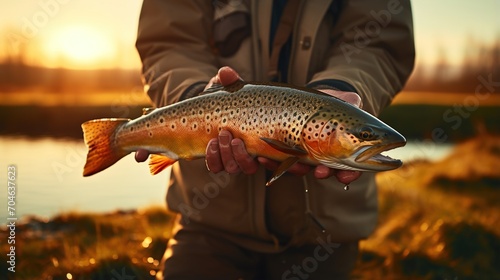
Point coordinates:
[[234, 87], [214, 88], [147, 110]]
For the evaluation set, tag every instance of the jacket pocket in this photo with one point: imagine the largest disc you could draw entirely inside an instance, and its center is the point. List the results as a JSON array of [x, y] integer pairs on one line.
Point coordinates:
[[231, 26]]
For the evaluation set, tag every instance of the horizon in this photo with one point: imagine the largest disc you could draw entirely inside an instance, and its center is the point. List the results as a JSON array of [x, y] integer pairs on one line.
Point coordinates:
[[77, 34]]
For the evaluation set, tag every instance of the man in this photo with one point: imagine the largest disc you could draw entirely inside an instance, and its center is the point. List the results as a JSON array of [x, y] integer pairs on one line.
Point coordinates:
[[230, 225]]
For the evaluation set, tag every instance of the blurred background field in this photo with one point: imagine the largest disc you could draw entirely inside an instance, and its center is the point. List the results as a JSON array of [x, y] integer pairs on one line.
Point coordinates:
[[438, 213]]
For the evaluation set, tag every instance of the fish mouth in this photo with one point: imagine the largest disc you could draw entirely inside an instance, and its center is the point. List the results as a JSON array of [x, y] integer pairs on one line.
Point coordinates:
[[372, 155]]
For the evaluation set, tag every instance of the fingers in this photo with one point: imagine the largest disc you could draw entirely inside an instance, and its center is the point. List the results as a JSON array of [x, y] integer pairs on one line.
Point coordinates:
[[246, 162], [226, 152], [347, 96], [343, 176], [213, 159], [347, 176], [141, 155], [229, 154], [225, 76]]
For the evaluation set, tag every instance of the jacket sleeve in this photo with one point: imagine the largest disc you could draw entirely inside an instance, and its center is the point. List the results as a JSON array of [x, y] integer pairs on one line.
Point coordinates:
[[173, 44], [372, 50]]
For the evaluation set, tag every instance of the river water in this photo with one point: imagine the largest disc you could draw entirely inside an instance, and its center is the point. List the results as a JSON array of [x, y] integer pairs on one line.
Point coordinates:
[[49, 177]]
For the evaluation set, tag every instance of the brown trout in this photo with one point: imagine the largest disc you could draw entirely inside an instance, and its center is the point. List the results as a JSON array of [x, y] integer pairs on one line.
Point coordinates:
[[279, 122]]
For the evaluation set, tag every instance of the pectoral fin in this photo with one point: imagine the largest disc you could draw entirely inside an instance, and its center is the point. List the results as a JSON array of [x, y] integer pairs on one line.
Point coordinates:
[[158, 163], [282, 147], [284, 166]]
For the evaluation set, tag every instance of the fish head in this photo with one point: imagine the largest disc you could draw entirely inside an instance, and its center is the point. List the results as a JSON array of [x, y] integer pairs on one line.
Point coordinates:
[[351, 140]]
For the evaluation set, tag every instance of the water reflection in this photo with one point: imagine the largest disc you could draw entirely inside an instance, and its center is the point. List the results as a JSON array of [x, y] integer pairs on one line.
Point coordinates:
[[50, 177]]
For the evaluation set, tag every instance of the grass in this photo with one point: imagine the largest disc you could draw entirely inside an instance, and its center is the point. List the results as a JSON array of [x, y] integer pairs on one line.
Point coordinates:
[[438, 220], [92, 246]]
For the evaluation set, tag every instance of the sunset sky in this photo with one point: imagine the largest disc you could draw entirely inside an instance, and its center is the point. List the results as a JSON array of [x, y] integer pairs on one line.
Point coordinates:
[[86, 34]]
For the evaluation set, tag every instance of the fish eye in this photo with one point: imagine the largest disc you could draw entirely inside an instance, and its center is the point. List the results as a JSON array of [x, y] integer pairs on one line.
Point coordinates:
[[366, 133]]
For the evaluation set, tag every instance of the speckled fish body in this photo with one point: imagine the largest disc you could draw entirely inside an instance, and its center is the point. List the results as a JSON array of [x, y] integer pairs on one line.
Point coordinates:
[[274, 121]]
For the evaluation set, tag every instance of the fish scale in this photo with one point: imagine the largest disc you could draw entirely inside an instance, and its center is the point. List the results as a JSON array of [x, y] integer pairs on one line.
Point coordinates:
[[264, 113], [275, 121]]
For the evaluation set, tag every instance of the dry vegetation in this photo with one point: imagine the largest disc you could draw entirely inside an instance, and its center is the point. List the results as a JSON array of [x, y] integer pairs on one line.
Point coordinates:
[[438, 220]]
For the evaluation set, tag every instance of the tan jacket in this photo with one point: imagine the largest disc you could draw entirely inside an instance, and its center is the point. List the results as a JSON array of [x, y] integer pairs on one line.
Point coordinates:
[[367, 44]]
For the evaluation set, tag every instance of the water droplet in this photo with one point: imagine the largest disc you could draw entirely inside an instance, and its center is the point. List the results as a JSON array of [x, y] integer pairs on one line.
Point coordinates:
[[346, 187]]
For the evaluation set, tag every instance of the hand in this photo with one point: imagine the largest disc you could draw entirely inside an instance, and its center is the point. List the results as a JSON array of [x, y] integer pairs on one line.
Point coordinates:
[[229, 154], [226, 76], [141, 155]]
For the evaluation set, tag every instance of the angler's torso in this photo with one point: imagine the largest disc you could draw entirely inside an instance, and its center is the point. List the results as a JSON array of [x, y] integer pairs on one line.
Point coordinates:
[[311, 37], [240, 206]]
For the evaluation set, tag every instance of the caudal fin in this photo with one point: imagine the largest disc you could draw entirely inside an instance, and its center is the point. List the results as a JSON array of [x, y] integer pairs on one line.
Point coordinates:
[[98, 136]]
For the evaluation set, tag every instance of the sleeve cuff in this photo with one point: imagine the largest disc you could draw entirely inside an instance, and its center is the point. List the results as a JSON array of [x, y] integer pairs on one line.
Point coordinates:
[[332, 84]]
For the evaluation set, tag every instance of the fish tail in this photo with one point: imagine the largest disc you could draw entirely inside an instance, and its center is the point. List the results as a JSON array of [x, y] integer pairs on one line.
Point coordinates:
[[103, 152]]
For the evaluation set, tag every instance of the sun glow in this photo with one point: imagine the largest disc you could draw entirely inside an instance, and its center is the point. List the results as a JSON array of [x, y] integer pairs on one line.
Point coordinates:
[[79, 47]]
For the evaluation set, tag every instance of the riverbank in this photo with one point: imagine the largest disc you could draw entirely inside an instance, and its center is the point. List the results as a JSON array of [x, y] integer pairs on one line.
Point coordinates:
[[439, 123], [437, 221]]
